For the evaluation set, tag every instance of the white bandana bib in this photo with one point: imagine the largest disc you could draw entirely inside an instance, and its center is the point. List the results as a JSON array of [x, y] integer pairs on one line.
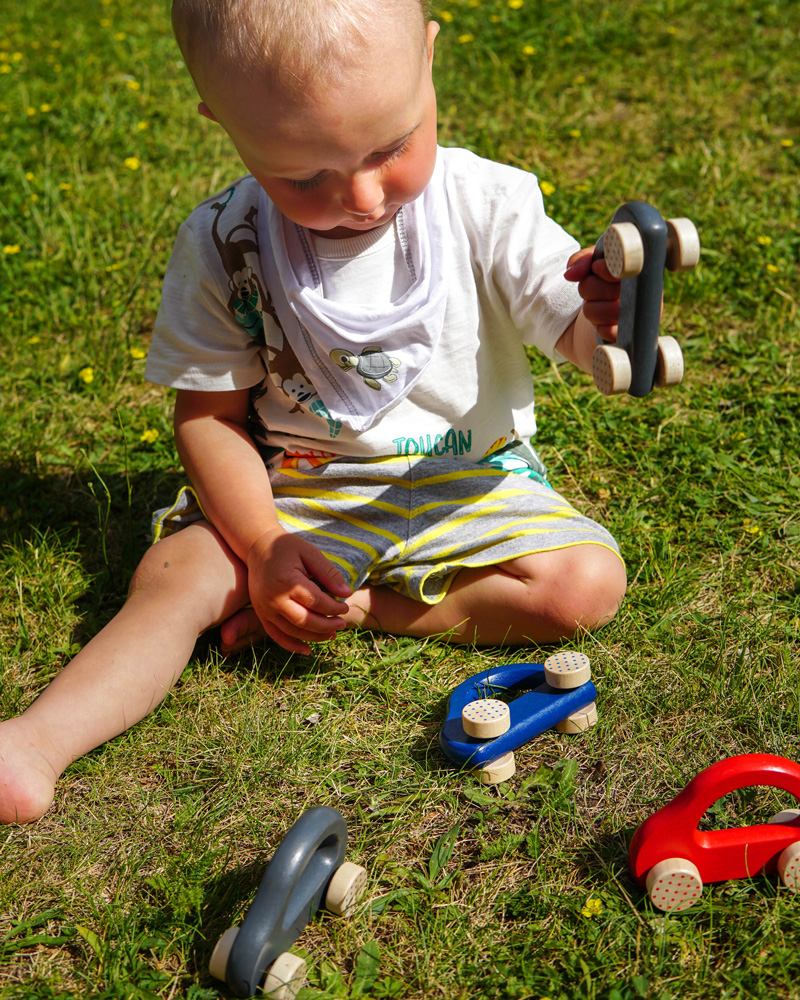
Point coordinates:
[[361, 360]]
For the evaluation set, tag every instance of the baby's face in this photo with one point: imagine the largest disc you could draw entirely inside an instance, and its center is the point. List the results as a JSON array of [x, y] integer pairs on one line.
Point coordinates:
[[344, 157]]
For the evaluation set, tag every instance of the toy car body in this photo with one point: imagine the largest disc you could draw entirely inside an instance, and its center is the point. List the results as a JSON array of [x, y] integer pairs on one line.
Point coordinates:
[[540, 707], [668, 844]]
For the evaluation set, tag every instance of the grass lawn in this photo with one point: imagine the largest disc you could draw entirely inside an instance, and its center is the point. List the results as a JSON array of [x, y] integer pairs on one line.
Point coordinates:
[[157, 840]]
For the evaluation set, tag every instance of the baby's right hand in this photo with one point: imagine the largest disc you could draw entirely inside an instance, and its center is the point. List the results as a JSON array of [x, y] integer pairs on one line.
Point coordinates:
[[296, 592]]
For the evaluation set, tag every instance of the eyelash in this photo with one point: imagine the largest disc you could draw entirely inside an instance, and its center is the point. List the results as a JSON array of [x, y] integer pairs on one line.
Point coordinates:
[[317, 179]]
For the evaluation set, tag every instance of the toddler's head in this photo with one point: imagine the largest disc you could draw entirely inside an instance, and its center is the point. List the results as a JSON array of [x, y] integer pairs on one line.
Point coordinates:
[[330, 103]]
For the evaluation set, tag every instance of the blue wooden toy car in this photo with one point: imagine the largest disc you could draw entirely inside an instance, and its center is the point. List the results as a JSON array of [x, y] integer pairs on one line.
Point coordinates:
[[557, 693]]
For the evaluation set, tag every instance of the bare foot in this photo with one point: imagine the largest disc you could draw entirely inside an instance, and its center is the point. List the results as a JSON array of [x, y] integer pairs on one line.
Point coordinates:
[[27, 778], [240, 631]]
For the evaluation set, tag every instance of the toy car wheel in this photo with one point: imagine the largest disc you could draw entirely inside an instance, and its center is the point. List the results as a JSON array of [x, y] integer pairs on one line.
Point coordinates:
[[499, 770], [674, 884], [683, 245], [789, 866], [579, 721], [219, 956], [285, 977], [669, 362], [623, 250], [611, 370], [486, 718], [567, 669], [784, 816], [345, 889]]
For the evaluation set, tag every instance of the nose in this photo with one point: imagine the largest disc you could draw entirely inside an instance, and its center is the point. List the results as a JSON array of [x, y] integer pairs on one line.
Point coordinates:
[[362, 193]]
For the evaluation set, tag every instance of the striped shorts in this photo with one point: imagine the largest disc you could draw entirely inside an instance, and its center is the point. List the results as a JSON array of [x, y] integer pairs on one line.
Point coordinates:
[[411, 523]]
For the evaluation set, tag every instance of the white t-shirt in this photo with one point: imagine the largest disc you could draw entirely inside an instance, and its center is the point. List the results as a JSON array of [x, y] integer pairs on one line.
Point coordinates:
[[216, 328]]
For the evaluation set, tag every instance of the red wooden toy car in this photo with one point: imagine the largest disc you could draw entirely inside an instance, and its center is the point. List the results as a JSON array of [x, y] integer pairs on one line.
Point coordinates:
[[672, 859]]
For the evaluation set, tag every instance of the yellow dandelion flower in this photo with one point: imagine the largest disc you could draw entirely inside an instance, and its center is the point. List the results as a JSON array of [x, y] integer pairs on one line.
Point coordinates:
[[64, 187], [16, 57], [787, 143], [30, 112], [515, 4], [86, 375], [495, 18], [105, 22], [34, 340], [575, 133], [44, 108], [764, 241], [672, 30], [11, 248], [528, 50], [772, 269], [149, 436], [592, 908], [120, 36], [547, 188], [137, 353], [446, 16], [581, 187], [5, 68], [132, 162], [133, 85], [112, 267], [29, 176], [55, 44], [466, 38], [580, 79], [3, 57], [142, 126], [568, 40]]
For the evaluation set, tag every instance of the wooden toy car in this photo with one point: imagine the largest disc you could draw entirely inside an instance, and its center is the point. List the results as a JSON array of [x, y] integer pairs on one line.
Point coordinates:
[[307, 871], [636, 247], [672, 859], [482, 731]]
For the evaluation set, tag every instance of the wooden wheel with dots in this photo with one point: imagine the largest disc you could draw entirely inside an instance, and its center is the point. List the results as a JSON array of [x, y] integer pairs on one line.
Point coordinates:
[[567, 669], [486, 718], [345, 889], [611, 369], [623, 250], [674, 884]]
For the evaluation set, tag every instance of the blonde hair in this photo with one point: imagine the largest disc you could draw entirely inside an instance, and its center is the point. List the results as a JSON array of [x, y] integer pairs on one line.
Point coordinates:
[[286, 42]]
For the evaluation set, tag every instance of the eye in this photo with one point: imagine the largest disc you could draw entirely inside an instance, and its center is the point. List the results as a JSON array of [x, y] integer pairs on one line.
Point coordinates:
[[307, 185], [393, 154]]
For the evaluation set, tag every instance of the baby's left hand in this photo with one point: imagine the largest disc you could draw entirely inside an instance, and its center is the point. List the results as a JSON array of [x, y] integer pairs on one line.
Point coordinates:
[[599, 290]]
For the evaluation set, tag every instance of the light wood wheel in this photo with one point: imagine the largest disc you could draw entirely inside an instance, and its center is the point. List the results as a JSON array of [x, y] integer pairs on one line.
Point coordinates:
[[486, 718], [285, 977], [669, 362], [567, 669], [611, 370], [623, 250], [499, 770], [219, 956], [345, 889], [579, 721], [784, 816], [683, 245], [674, 884], [789, 866]]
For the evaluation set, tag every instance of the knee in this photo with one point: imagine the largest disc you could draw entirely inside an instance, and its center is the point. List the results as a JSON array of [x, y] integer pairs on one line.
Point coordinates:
[[589, 589]]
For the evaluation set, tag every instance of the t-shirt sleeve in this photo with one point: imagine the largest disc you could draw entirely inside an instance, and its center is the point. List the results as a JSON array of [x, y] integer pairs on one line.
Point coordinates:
[[197, 342], [531, 256], [519, 252]]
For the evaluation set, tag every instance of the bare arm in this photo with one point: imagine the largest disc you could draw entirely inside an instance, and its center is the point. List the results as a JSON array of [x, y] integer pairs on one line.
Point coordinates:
[[290, 581]]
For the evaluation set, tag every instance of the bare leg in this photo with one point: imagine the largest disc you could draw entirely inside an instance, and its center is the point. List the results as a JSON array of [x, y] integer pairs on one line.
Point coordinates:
[[538, 598], [183, 585]]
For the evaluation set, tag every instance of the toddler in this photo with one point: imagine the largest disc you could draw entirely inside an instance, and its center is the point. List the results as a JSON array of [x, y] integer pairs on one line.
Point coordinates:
[[345, 327]]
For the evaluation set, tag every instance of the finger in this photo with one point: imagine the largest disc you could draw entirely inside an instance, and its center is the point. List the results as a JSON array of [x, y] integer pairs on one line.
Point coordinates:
[[325, 573], [297, 620], [600, 268], [601, 313], [594, 287], [579, 264]]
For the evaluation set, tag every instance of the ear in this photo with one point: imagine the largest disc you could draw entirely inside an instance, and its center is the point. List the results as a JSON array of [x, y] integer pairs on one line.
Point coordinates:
[[206, 111], [431, 31]]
